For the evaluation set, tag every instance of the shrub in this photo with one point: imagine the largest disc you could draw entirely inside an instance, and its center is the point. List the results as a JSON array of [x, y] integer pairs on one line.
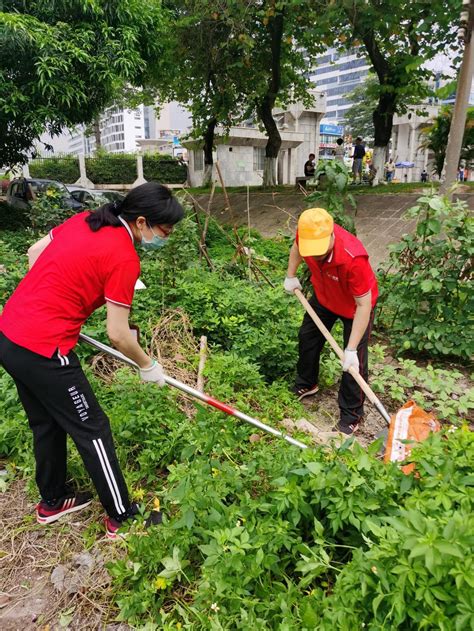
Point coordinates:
[[428, 295], [333, 192], [259, 323], [48, 210], [64, 169], [165, 169], [112, 168]]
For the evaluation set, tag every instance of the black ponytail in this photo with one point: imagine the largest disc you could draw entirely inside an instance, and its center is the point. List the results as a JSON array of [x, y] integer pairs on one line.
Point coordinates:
[[153, 201], [105, 215]]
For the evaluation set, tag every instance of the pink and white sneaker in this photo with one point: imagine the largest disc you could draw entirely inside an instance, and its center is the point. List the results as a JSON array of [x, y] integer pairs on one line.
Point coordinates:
[[47, 513]]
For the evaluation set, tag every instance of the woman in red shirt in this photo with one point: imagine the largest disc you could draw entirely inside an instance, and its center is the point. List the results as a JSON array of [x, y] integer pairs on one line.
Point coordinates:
[[88, 261]]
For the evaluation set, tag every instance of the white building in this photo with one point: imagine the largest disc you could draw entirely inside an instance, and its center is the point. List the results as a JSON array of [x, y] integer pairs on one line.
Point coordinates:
[[241, 152], [336, 75], [406, 141], [163, 130], [120, 130]]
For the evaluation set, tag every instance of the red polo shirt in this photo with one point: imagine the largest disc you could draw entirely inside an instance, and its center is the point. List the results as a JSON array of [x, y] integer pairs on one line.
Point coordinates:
[[344, 275], [77, 273]]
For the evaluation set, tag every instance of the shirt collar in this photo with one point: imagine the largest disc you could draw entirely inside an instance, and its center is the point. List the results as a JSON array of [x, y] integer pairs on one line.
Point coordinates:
[[127, 227]]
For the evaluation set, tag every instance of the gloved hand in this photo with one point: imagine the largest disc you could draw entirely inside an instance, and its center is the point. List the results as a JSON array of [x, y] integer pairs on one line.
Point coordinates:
[[350, 359], [153, 374], [291, 284]]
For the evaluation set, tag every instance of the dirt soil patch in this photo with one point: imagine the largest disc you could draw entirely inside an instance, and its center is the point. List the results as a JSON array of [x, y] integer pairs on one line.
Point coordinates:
[[48, 580]]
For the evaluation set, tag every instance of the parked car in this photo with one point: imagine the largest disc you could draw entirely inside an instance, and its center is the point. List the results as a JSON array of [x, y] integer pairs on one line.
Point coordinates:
[[23, 191], [94, 196]]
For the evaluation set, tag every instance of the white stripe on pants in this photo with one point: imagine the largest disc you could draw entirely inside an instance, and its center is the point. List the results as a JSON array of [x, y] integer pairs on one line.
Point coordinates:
[[109, 476]]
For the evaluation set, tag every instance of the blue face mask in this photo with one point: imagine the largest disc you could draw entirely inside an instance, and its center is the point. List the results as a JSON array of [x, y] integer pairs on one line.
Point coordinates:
[[155, 244]]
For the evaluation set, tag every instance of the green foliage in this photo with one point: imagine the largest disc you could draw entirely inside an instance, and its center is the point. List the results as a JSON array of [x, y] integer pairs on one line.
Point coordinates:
[[259, 323], [273, 539], [428, 295], [48, 210], [333, 192], [436, 137], [13, 268], [64, 169], [63, 63], [358, 119], [417, 572], [257, 534], [434, 389]]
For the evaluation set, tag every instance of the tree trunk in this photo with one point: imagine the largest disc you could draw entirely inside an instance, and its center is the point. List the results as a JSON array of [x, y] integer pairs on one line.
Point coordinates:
[[265, 106], [97, 133], [208, 152], [273, 143], [383, 123]]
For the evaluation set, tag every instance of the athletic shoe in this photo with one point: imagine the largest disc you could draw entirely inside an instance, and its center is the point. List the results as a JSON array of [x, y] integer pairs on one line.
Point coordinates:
[[302, 392], [47, 512], [113, 526], [347, 429]]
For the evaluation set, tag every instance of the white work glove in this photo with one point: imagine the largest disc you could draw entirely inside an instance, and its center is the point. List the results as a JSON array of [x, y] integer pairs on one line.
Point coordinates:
[[291, 284], [350, 359], [153, 374]]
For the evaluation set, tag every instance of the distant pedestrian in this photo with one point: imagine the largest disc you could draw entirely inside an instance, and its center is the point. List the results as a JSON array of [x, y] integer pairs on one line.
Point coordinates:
[[461, 174], [357, 157], [390, 170], [424, 176], [309, 167], [338, 151]]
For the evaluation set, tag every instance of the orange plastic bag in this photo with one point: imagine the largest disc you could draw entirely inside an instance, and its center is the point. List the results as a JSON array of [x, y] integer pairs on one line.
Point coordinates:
[[410, 423]]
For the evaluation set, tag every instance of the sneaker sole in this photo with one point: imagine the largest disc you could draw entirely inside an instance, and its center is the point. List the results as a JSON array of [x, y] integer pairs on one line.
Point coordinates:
[[310, 393], [115, 536], [53, 518]]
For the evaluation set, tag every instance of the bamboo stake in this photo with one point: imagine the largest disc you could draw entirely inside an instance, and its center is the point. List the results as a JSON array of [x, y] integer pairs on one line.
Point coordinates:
[[202, 363]]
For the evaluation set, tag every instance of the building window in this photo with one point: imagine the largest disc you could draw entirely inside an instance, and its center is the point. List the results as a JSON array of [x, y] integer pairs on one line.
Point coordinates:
[[258, 158], [198, 160]]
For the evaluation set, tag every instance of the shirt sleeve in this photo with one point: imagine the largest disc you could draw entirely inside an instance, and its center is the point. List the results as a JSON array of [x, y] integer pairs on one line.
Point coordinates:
[[120, 283], [361, 277]]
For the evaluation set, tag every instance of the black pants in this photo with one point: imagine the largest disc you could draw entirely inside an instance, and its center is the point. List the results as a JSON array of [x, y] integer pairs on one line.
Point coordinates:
[[58, 400], [311, 342]]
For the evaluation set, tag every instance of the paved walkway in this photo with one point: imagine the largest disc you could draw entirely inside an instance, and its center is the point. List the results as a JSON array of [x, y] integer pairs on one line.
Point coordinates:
[[379, 218]]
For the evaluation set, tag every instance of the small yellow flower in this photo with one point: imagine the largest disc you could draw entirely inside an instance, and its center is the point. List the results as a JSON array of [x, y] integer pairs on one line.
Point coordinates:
[[138, 494], [374, 569], [160, 583], [215, 472], [156, 504], [179, 625]]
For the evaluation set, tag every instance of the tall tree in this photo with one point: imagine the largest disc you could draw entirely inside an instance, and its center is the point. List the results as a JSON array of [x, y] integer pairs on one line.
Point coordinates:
[[278, 47], [204, 69], [358, 120], [399, 37], [435, 138], [62, 62]]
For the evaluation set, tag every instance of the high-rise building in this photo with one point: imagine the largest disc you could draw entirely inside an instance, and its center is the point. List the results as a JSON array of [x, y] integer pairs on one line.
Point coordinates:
[[120, 131], [336, 75]]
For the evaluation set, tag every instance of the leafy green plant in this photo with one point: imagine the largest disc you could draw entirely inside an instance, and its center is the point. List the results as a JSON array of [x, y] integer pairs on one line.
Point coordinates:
[[63, 168], [333, 192], [48, 210], [427, 292], [434, 389]]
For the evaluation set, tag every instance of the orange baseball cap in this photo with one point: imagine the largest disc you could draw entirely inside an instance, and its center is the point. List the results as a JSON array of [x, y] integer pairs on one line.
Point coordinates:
[[315, 227]]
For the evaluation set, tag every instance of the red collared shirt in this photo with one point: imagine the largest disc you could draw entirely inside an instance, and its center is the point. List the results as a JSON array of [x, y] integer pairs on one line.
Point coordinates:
[[76, 273], [344, 275]]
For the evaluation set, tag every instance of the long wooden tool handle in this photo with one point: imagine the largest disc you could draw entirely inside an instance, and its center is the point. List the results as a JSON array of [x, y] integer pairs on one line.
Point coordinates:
[[370, 394]]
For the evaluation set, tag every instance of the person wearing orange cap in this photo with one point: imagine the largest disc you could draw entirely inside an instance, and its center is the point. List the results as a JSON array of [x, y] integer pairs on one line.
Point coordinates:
[[345, 288]]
